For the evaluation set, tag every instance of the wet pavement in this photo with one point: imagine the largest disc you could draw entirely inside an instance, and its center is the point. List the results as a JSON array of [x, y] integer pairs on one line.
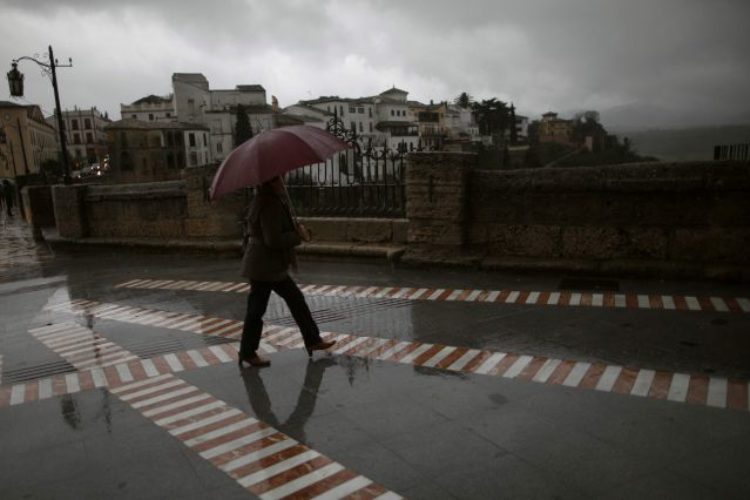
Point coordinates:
[[119, 379]]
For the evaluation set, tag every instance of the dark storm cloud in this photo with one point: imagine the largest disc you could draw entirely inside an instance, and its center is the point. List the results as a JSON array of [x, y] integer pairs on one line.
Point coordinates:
[[674, 61]]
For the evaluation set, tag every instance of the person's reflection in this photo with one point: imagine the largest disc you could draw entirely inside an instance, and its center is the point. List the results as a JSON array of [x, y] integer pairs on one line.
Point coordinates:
[[261, 403]]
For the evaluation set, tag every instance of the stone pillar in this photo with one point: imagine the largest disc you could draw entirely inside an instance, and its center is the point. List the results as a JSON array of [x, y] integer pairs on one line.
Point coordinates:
[[206, 219], [436, 203], [38, 208], [70, 210]]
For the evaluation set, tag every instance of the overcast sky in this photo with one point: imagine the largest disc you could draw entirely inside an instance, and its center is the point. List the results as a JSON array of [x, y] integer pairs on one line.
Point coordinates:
[[651, 62]]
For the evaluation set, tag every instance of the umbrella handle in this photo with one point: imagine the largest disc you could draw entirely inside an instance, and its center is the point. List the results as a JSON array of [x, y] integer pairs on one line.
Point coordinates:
[[294, 216]]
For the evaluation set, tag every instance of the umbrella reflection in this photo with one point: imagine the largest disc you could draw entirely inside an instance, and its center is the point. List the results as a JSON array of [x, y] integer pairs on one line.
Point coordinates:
[[294, 425]]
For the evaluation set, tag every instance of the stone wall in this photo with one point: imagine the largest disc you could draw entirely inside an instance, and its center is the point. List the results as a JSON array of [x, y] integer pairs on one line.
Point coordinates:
[[659, 218], [148, 210], [153, 210], [437, 205]]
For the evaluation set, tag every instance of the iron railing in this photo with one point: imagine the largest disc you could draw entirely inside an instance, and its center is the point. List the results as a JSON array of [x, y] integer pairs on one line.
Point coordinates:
[[739, 152], [366, 180]]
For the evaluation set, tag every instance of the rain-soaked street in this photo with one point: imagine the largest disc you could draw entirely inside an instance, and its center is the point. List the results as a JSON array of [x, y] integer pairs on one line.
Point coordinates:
[[120, 380]]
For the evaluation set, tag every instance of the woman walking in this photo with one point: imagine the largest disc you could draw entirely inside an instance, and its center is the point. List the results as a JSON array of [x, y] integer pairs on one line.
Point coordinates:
[[268, 257]]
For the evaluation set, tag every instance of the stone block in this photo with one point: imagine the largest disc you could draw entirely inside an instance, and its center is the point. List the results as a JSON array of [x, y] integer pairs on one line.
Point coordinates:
[[645, 242], [326, 228], [369, 230], [524, 240], [400, 230], [70, 210], [712, 244], [593, 242], [436, 233], [38, 207]]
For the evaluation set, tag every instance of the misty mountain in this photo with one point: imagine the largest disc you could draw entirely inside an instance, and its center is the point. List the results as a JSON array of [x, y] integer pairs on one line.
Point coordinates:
[[684, 144]]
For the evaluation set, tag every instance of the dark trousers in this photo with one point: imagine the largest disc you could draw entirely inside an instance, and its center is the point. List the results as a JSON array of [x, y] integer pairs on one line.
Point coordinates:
[[257, 302]]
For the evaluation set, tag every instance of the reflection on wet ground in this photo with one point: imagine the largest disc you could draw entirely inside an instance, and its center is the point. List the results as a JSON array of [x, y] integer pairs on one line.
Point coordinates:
[[294, 425], [452, 399]]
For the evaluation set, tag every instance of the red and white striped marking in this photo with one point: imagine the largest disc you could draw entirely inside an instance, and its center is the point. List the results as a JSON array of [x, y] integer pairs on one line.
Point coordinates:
[[193, 323], [261, 459], [81, 346], [541, 298], [710, 391]]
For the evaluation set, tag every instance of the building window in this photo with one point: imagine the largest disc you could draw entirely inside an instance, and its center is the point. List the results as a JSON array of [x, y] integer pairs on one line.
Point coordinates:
[[205, 141], [352, 109], [76, 139], [191, 138], [74, 124], [369, 112], [170, 160], [169, 115], [219, 148], [361, 127], [193, 158], [87, 123], [341, 110], [393, 113], [135, 117], [361, 111], [370, 127], [89, 138], [150, 117], [354, 127]]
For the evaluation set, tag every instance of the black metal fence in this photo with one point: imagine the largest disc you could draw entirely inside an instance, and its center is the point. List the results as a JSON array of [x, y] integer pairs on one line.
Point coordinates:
[[739, 152], [367, 180]]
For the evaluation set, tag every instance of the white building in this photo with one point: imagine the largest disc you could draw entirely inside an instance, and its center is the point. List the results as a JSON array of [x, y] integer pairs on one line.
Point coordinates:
[[149, 109], [522, 128], [383, 120]]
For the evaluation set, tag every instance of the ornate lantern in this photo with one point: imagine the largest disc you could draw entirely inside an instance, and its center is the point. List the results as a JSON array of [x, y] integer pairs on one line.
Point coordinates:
[[15, 81]]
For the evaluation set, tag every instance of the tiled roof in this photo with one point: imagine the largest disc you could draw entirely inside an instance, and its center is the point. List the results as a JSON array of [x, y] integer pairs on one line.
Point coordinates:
[[251, 88], [153, 99], [131, 124]]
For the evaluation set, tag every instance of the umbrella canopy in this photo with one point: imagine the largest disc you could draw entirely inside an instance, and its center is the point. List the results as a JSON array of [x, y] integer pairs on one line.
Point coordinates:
[[272, 153]]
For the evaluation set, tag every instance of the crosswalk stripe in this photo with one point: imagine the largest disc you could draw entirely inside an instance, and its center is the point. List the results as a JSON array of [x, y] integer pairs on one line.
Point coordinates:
[[643, 383], [678, 389], [306, 480], [576, 374], [345, 489], [546, 371], [717, 392], [278, 468], [517, 366], [608, 378], [490, 363]]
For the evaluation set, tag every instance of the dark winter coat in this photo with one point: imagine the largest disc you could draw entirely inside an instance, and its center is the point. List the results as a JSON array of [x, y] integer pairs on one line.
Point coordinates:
[[273, 236]]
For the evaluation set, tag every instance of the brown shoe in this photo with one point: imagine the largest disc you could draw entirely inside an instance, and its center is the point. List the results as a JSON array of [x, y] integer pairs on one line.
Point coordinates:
[[254, 360], [321, 345]]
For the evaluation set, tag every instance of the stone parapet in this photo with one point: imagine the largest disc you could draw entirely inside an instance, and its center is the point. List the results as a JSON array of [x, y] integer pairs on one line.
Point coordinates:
[[70, 210], [437, 200]]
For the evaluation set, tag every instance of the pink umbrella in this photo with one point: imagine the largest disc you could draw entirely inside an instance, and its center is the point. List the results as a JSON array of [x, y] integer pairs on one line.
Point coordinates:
[[271, 153]]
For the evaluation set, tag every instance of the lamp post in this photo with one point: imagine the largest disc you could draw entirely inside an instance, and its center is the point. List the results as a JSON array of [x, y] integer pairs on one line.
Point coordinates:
[[15, 82]]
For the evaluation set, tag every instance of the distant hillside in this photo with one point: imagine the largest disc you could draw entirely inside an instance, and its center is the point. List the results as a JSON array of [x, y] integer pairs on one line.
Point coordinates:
[[685, 144]]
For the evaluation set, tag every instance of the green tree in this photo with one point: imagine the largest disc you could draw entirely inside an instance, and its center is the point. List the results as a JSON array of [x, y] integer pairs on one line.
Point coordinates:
[[492, 116], [242, 130], [463, 100]]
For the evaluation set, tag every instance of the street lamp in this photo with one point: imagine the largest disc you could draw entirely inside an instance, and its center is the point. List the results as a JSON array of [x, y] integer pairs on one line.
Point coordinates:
[[15, 83]]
